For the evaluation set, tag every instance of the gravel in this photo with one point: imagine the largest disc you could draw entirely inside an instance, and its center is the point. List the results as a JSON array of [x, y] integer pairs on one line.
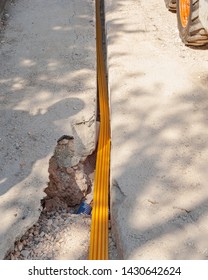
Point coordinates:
[[58, 235]]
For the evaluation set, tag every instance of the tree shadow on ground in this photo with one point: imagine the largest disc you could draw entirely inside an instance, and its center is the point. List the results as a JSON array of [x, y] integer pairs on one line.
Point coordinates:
[[47, 84], [159, 150]]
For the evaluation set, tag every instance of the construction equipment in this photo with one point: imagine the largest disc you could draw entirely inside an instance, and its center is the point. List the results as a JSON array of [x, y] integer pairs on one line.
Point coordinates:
[[192, 17]]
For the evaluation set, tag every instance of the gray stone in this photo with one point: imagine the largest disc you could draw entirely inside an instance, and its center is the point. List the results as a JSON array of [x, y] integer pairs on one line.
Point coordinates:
[[50, 222], [42, 234], [25, 253]]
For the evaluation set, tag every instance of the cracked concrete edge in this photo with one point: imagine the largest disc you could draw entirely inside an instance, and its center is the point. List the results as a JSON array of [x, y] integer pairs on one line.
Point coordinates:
[[21, 213], [117, 196], [116, 200]]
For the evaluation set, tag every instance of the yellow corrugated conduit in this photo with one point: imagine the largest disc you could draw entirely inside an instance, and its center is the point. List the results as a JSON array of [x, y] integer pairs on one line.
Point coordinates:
[[99, 227]]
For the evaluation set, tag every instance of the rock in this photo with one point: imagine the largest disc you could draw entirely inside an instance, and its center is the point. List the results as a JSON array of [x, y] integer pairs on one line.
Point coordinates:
[[69, 170], [15, 248], [25, 253], [62, 190], [17, 146], [65, 153], [50, 222], [36, 232], [42, 234], [17, 254], [24, 242], [79, 175], [31, 230], [68, 183], [47, 236], [20, 246]]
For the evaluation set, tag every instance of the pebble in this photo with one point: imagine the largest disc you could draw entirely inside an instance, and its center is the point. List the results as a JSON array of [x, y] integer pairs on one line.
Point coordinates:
[[24, 242], [25, 253], [36, 232], [50, 222], [17, 146], [20, 246], [31, 230], [42, 234], [16, 255]]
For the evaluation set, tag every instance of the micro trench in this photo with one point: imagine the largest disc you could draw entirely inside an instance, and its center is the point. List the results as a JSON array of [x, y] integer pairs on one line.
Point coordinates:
[[60, 232]]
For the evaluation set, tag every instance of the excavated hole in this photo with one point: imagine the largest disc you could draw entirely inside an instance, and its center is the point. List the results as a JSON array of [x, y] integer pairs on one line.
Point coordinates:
[[60, 233]]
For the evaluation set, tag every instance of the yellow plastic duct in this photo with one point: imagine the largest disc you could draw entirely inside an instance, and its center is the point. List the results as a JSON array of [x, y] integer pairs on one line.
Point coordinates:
[[99, 227]]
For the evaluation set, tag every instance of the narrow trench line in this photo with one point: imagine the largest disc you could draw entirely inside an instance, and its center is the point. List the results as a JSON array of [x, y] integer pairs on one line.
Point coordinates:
[[99, 227]]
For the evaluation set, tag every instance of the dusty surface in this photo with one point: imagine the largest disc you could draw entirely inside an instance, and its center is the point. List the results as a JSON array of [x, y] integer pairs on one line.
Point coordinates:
[[159, 103], [47, 89]]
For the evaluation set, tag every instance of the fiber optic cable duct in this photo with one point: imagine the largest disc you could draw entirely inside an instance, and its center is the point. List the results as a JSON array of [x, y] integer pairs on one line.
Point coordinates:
[[99, 228]]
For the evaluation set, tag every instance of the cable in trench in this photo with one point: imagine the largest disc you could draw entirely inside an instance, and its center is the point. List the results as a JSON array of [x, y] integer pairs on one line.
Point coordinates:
[[99, 227]]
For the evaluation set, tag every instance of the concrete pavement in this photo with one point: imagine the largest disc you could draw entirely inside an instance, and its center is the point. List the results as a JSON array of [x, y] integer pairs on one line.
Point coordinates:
[[47, 90], [159, 197]]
